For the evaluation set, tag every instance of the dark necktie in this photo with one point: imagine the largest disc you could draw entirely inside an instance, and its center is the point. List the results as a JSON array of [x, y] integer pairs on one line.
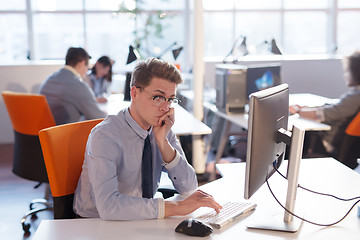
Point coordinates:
[[146, 171]]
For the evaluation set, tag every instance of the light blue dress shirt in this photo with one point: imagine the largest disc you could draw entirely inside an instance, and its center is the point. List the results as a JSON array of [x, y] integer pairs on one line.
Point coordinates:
[[110, 183]]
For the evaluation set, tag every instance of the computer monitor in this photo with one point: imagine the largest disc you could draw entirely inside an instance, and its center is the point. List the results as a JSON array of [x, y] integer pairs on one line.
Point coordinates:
[[267, 140], [262, 76]]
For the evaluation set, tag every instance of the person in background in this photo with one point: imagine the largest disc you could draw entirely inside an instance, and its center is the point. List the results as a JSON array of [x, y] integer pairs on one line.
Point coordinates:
[[338, 115], [100, 77], [69, 97], [115, 183]]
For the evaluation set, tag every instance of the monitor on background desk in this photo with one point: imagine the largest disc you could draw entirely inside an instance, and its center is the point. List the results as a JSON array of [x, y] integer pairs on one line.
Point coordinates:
[[234, 83], [260, 77]]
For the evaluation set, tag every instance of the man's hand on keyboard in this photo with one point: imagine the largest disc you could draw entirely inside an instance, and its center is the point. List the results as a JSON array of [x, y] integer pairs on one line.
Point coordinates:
[[194, 201]]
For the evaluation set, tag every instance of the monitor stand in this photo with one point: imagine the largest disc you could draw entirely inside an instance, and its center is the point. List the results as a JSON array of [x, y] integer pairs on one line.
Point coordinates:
[[274, 222], [288, 223]]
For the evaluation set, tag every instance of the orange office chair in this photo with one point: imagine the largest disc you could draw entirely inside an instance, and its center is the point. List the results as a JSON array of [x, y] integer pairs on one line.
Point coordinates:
[[29, 113], [354, 127], [64, 147], [350, 147]]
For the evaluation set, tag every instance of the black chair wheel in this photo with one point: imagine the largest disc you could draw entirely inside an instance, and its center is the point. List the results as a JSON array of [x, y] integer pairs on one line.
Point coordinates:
[[26, 227]]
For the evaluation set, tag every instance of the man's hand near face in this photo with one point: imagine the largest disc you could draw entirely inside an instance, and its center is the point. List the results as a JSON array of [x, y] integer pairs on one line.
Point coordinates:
[[161, 130]]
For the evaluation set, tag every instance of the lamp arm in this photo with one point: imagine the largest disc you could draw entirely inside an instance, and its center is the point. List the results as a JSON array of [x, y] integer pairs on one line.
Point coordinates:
[[233, 47], [167, 49]]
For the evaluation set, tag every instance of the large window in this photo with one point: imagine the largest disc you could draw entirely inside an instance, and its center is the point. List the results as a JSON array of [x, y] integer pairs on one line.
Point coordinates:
[[299, 27], [44, 29]]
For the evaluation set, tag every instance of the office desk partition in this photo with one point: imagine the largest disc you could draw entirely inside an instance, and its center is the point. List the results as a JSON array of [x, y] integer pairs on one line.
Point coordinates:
[[321, 174]]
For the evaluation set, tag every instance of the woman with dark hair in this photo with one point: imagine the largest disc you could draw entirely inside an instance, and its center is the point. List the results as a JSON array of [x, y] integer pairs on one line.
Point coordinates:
[[100, 77]]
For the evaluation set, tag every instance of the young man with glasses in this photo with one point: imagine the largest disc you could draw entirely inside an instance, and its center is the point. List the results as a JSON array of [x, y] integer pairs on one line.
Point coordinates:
[[116, 183]]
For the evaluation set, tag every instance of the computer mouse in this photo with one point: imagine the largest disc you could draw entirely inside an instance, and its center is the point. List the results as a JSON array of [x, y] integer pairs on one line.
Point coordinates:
[[193, 227]]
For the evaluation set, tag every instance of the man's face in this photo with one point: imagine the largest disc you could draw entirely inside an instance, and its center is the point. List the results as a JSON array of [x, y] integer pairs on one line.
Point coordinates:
[[83, 68], [147, 113]]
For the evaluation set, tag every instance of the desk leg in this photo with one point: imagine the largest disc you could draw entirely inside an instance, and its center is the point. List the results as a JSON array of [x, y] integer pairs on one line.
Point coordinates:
[[221, 147], [198, 155]]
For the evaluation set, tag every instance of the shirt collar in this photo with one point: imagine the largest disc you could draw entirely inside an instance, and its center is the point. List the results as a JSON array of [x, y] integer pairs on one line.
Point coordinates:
[[135, 126], [70, 68]]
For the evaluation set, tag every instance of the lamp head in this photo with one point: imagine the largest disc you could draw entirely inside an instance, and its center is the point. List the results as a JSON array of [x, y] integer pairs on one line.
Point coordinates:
[[133, 55], [243, 47], [274, 48], [176, 52]]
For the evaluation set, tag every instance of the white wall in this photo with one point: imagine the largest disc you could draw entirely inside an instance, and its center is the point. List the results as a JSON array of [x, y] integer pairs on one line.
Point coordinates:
[[322, 76], [21, 78]]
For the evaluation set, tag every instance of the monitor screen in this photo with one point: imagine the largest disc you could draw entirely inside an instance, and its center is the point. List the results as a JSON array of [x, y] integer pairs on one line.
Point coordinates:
[[269, 110], [260, 77]]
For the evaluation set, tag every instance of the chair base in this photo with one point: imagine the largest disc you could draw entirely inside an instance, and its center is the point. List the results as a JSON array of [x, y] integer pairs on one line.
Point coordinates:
[[47, 205], [32, 212]]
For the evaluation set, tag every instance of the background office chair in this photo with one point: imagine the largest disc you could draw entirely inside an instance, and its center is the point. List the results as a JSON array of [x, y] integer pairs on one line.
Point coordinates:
[[350, 146], [29, 113], [64, 147]]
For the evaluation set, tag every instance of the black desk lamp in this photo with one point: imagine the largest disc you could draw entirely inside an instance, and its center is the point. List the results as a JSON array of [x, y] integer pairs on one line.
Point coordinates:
[[167, 49], [274, 48], [133, 55], [176, 52], [242, 48]]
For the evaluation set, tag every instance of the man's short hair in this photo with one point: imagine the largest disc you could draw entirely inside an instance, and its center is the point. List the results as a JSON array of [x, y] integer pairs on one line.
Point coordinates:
[[146, 70], [76, 55]]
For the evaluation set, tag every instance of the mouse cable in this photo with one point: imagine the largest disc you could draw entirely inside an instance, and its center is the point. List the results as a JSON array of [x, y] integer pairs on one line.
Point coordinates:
[[323, 194], [305, 220]]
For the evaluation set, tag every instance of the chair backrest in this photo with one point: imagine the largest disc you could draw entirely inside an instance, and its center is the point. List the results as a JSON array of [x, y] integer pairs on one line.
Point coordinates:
[[63, 148], [353, 129], [29, 113]]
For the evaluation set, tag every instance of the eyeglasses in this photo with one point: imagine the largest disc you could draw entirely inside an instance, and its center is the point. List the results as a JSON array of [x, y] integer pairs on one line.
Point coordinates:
[[158, 99]]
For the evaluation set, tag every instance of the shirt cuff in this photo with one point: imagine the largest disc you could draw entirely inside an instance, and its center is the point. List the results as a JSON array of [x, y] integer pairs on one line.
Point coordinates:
[[174, 162], [161, 208]]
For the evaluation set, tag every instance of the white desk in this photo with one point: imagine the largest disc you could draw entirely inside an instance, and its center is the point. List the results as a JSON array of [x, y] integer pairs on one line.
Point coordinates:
[[325, 175], [241, 119], [310, 100], [185, 122], [304, 99]]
